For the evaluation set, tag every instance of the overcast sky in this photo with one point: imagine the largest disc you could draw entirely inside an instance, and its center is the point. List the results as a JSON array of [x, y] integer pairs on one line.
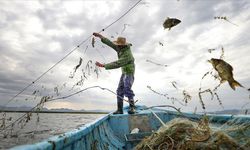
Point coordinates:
[[37, 34]]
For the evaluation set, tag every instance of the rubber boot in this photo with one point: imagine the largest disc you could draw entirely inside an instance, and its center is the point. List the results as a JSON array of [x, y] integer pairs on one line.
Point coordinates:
[[119, 108], [131, 107]]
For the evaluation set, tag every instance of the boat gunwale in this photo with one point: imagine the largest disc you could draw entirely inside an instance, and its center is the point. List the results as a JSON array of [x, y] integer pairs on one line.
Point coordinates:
[[62, 140]]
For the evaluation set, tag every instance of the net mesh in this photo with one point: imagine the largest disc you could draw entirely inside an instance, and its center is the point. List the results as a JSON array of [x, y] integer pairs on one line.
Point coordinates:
[[185, 134]]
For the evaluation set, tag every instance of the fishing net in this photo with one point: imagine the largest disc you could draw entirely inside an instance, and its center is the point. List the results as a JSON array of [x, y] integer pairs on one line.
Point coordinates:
[[184, 134]]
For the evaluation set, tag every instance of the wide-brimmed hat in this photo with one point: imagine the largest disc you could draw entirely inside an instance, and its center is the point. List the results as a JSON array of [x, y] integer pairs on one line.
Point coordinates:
[[120, 41]]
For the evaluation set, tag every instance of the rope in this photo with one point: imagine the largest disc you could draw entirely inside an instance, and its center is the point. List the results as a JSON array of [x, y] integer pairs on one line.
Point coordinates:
[[80, 91], [157, 117], [74, 49]]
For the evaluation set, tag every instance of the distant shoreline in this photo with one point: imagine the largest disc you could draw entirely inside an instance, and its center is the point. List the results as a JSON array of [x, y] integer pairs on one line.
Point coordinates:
[[65, 112]]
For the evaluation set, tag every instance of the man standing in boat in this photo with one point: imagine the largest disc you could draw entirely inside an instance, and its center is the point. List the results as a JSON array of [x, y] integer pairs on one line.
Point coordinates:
[[126, 62]]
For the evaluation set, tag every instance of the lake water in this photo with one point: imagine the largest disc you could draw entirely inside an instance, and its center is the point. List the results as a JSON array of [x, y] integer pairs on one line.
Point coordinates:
[[49, 124]]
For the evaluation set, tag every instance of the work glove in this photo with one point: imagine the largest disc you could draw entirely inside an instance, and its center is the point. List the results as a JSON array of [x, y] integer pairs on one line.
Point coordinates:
[[99, 64], [97, 35]]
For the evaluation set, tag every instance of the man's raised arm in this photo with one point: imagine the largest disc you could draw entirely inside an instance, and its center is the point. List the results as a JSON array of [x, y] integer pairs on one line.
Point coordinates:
[[105, 40]]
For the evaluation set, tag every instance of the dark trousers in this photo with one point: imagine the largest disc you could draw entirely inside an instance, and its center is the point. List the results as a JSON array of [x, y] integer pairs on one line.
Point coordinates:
[[124, 88]]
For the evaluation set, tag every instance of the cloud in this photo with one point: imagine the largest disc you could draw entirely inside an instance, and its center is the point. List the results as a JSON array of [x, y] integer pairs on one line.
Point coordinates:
[[37, 34]]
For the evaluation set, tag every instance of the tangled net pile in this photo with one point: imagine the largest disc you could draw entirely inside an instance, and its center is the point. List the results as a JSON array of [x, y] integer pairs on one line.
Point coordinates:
[[183, 134]]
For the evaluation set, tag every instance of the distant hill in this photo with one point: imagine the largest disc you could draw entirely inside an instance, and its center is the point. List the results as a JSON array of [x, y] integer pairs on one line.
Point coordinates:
[[232, 111], [65, 110], [21, 108]]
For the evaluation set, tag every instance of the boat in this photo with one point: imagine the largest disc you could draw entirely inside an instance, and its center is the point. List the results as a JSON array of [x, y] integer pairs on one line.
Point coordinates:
[[121, 131]]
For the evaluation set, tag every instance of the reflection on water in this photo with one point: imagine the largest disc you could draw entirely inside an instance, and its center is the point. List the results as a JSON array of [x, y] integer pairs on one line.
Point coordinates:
[[50, 124]]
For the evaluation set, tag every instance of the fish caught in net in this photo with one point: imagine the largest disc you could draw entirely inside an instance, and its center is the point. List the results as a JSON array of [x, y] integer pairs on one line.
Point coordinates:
[[170, 22], [225, 72]]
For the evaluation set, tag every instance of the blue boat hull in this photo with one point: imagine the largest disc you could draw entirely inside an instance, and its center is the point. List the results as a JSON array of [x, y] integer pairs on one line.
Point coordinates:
[[112, 132]]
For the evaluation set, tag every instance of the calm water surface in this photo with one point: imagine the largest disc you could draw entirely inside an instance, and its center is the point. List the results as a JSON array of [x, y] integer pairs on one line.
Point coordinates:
[[50, 124]]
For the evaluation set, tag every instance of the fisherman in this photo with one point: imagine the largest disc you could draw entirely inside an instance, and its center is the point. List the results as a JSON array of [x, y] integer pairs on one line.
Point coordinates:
[[126, 62]]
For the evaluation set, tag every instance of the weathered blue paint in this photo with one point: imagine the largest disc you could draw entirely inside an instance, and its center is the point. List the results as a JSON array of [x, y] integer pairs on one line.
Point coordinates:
[[112, 132]]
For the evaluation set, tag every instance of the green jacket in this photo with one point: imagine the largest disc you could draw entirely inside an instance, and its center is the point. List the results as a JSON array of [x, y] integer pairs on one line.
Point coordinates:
[[125, 58]]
